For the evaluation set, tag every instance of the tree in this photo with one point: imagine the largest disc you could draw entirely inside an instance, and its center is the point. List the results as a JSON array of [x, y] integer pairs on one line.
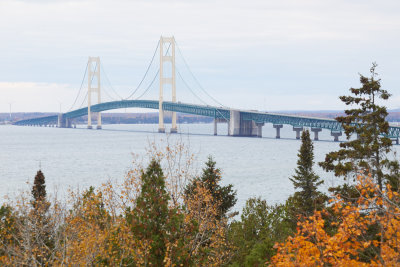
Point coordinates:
[[259, 228], [312, 245], [42, 229], [151, 218], [39, 188], [308, 198], [225, 196], [367, 120]]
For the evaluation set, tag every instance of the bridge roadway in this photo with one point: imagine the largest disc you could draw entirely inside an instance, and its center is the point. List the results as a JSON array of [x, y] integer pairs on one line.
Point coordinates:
[[240, 122]]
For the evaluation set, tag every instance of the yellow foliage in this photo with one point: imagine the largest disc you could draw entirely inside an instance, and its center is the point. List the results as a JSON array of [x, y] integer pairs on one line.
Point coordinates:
[[313, 246]]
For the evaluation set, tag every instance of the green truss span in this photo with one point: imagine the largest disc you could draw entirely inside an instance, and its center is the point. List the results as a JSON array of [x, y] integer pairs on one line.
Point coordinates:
[[209, 111]]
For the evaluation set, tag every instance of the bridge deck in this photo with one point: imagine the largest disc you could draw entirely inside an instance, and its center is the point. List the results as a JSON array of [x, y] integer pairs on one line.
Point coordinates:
[[209, 111]]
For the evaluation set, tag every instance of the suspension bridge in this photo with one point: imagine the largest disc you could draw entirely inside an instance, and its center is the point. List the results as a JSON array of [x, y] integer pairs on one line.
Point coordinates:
[[239, 122]]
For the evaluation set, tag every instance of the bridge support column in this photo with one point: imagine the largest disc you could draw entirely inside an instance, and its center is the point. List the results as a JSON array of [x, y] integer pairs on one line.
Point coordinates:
[[63, 122], [234, 123], [240, 127], [259, 129], [298, 130], [278, 130], [316, 131], [60, 120], [215, 126], [336, 135]]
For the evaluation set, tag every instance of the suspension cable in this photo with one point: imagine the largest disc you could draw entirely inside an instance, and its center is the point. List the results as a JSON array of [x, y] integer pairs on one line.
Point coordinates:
[[148, 68], [216, 109], [105, 91], [147, 89], [112, 88], [190, 89], [84, 100], [91, 80], [158, 71], [194, 77], [80, 88]]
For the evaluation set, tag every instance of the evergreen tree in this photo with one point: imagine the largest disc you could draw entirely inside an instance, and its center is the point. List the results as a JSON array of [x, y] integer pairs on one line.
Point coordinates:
[[39, 187], [255, 234], [225, 196], [308, 198], [40, 221], [368, 152], [151, 218]]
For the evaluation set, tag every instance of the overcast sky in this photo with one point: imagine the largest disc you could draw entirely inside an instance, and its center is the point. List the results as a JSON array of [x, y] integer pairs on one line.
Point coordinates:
[[253, 54]]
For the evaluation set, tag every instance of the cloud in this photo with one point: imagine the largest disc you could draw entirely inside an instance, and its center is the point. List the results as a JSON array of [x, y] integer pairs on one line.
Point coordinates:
[[35, 97], [287, 44]]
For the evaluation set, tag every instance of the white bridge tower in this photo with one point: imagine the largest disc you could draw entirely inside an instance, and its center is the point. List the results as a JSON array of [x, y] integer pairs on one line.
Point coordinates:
[[93, 72], [164, 57]]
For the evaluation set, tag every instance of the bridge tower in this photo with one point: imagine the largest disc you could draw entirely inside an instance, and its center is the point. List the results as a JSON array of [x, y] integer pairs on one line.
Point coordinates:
[[164, 57], [93, 71]]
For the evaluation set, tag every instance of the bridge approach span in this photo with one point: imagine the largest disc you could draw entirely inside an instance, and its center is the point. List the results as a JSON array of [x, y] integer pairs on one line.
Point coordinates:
[[240, 122]]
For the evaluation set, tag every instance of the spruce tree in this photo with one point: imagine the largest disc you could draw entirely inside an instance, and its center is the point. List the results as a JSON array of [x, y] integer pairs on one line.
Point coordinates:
[[39, 187], [366, 121], [42, 228], [308, 198], [151, 218], [225, 196]]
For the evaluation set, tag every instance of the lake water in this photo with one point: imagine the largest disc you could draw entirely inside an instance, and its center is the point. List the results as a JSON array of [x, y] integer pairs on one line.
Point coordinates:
[[81, 157]]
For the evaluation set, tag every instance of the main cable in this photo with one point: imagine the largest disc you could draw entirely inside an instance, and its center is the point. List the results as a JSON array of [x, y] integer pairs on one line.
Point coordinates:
[[158, 71], [190, 89], [109, 82], [148, 87], [80, 88], [148, 68], [194, 77]]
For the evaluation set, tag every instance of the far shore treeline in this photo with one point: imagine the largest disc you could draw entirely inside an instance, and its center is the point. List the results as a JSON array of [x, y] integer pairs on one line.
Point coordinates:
[[166, 214]]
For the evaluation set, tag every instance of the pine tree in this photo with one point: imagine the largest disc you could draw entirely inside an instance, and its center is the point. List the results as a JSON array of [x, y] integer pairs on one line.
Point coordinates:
[[225, 196], [368, 152], [308, 198], [151, 219]]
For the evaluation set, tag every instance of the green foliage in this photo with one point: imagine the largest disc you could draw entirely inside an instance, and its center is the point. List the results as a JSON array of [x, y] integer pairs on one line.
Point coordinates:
[[224, 196], [151, 218], [367, 120], [308, 198], [260, 227]]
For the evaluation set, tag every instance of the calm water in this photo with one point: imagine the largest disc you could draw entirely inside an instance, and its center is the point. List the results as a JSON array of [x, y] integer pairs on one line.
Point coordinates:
[[81, 157]]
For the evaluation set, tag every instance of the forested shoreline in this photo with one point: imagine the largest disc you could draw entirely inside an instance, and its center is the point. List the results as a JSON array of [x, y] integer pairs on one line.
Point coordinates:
[[164, 214]]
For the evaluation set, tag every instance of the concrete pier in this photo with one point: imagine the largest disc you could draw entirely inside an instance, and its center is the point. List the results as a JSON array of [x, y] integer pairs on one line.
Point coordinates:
[[173, 130], [63, 122], [215, 127], [240, 127], [278, 130], [316, 131], [336, 135], [259, 129], [298, 130]]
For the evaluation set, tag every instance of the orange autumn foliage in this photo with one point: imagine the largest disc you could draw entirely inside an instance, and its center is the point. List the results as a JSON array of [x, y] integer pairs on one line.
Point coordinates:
[[312, 245]]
